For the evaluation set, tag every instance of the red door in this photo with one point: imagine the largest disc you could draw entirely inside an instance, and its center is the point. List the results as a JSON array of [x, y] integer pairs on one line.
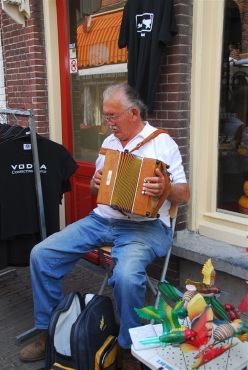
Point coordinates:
[[79, 202]]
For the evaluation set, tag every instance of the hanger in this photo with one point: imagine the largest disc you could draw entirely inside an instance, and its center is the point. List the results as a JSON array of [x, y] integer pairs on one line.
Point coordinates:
[[10, 127], [5, 127], [4, 123], [24, 133], [12, 131]]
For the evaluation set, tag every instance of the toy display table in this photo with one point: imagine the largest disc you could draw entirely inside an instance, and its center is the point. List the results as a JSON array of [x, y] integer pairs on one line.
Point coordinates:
[[172, 358], [208, 343]]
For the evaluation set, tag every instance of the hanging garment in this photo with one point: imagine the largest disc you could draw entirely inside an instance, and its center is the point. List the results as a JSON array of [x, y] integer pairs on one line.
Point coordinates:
[[147, 26], [17, 249], [18, 199]]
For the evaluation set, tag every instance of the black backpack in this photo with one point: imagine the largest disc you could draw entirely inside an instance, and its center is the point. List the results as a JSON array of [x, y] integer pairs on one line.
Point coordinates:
[[78, 331]]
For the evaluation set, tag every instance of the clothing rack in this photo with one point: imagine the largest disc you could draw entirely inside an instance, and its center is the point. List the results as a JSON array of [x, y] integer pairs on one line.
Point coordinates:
[[30, 114], [31, 122]]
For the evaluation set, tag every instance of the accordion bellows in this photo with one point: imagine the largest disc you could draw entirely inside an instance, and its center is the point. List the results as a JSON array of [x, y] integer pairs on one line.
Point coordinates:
[[122, 183]]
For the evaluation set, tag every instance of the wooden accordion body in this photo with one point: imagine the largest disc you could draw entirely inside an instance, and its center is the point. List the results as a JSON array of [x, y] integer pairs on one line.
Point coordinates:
[[122, 183]]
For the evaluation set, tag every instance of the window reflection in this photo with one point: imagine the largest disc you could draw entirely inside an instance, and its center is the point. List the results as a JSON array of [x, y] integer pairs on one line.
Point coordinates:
[[90, 129], [233, 124], [100, 63]]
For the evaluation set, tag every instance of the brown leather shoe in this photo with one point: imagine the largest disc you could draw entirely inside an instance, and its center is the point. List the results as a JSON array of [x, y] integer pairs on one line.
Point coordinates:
[[34, 351]]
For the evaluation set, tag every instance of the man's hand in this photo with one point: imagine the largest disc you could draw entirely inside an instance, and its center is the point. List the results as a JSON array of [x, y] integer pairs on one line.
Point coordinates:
[[95, 182], [154, 186]]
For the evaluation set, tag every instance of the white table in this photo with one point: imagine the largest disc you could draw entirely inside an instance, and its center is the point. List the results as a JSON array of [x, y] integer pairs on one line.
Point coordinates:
[[171, 358]]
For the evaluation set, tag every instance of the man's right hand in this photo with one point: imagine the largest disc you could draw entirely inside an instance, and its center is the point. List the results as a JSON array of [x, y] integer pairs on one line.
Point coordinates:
[[95, 182]]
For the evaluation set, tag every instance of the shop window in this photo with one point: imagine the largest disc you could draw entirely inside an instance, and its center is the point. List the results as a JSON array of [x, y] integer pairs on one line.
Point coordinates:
[[89, 127], [99, 63], [233, 121]]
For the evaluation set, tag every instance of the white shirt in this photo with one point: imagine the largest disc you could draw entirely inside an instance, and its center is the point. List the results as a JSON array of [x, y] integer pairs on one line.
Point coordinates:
[[164, 148]]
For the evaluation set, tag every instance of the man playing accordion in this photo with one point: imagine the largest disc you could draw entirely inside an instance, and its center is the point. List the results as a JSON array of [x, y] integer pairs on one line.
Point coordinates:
[[136, 240]]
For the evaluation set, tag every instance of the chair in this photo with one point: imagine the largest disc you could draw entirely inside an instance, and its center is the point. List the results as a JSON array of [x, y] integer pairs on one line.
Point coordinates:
[[105, 251]]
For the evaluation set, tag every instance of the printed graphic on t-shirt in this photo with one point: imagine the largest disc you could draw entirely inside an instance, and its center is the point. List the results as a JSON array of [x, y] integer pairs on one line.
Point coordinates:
[[144, 22], [21, 168]]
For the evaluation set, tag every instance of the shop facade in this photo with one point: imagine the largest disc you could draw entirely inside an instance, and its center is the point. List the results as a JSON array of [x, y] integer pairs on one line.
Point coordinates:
[[58, 63]]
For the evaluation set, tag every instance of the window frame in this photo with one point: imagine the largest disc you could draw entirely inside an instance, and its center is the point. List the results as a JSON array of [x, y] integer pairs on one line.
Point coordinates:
[[208, 17]]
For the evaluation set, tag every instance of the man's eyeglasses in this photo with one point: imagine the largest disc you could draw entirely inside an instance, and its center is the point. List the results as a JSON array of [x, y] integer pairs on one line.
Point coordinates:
[[113, 117]]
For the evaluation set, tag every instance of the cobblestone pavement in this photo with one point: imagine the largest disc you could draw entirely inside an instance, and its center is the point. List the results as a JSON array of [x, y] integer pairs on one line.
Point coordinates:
[[16, 308]]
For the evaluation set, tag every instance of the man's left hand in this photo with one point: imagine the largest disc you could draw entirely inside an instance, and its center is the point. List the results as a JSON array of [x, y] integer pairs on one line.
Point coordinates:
[[154, 186]]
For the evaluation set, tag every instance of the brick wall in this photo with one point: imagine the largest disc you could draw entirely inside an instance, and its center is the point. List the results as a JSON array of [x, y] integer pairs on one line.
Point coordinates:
[[25, 64], [172, 106], [172, 111], [243, 9], [2, 80]]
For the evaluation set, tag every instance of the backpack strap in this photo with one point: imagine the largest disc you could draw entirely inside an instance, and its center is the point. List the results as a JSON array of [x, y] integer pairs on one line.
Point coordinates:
[[154, 134]]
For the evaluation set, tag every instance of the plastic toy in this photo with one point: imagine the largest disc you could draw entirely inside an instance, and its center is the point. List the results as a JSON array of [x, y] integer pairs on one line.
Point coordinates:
[[188, 321]]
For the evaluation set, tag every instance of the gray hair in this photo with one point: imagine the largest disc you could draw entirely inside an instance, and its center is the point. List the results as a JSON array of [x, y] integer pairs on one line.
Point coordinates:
[[132, 97]]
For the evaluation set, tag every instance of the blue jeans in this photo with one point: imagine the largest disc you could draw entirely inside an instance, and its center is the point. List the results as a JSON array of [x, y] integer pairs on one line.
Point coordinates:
[[135, 245]]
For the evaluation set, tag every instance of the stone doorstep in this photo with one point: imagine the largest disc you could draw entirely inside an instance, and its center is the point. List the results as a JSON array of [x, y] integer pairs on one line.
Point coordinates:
[[225, 257]]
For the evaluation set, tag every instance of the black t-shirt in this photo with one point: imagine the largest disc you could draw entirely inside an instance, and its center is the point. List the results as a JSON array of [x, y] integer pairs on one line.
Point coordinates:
[[18, 199], [147, 26]]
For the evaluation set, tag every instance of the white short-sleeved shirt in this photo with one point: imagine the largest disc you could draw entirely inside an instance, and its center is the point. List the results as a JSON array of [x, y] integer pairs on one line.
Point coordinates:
[[163, 148]]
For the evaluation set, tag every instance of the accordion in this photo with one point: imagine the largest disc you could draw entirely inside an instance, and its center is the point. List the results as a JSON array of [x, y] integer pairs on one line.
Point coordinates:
[[122, 183]]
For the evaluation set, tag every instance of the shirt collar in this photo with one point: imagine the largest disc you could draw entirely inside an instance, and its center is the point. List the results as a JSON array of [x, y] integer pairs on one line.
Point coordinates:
[[142, 134]]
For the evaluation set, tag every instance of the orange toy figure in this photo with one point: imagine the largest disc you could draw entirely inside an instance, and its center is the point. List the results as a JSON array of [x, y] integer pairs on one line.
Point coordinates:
[[208, 273], [182, 299], [237, 328], [209, 291], [201, 317], [209, 353], [206, 287]]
